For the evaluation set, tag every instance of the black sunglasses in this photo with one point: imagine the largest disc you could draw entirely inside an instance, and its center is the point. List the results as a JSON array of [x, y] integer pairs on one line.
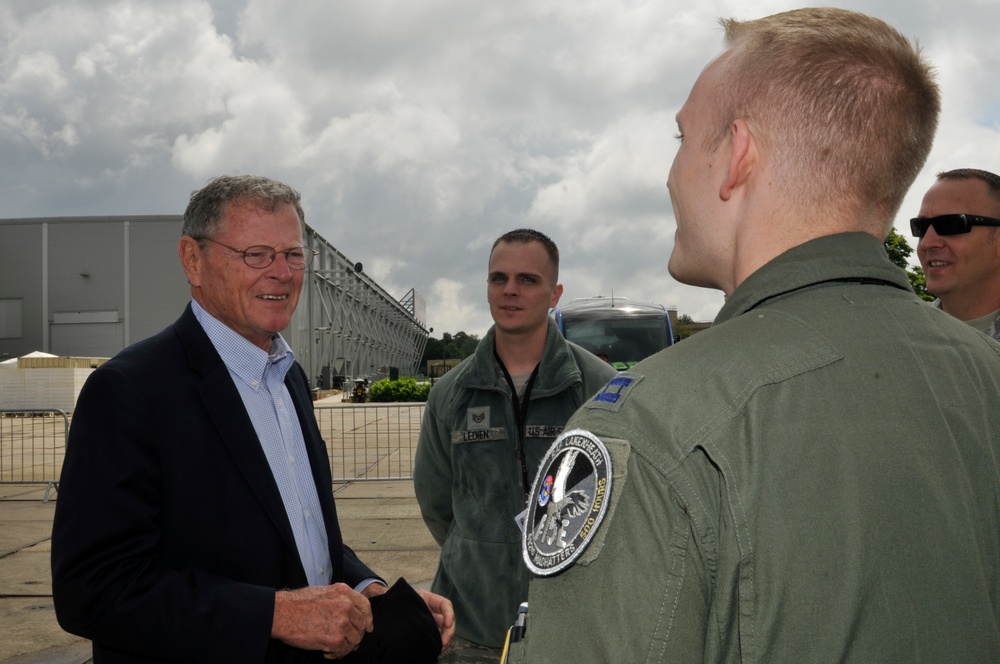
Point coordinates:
[[950, 224]]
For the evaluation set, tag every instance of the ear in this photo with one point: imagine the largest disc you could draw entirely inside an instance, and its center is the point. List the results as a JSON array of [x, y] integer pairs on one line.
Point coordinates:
[[192, 259], [556, 294], [741, 159]]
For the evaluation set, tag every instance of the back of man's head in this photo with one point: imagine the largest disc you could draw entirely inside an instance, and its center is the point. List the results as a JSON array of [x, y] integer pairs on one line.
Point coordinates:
[[845, 105]]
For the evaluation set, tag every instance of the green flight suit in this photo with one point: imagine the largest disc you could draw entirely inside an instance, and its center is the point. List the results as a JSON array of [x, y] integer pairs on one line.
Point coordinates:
[[816, 478]]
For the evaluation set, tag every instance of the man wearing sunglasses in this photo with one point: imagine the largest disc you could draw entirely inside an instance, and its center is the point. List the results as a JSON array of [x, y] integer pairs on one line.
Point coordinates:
[[196, 520], [959, 247]]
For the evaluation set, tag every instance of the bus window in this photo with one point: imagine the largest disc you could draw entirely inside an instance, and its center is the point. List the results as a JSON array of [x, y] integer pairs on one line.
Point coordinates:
[[622, 331]]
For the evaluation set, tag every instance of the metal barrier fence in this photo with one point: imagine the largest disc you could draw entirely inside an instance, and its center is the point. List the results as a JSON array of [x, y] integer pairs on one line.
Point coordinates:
[[364, 442], [32, 445], [371, 441]]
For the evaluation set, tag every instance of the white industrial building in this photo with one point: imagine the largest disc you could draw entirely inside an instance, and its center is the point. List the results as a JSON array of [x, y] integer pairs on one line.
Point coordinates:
[[90, 286]]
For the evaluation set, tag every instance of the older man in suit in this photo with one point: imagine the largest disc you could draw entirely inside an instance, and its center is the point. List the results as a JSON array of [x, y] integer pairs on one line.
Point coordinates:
[[196, 519]]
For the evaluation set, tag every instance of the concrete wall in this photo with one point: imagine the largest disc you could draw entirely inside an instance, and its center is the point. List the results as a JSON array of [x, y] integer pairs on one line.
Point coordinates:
[[90, 286], [21, 278]]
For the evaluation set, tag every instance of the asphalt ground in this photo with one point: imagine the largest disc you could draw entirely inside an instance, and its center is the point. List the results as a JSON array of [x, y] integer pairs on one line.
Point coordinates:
[[380, 520]]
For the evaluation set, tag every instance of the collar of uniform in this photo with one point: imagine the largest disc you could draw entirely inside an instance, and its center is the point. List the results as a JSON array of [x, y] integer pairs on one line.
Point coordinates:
[[984, 323], [988, 324], [245, 360], [558, 367], [843, 256]]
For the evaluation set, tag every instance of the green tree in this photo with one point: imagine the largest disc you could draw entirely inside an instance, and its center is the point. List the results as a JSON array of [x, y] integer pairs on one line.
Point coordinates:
[[465, 343], [682, 331], [448, 347], [899, 251]]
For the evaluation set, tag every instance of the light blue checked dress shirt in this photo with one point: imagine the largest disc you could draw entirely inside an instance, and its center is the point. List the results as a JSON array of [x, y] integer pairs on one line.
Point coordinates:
[[260, 379]]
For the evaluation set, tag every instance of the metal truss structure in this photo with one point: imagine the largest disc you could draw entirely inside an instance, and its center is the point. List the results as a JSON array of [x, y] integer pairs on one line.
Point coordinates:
[[347, 326]]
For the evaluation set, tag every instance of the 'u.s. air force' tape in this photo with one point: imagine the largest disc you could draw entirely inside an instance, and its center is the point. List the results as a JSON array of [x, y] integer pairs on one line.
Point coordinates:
[[567, 502]]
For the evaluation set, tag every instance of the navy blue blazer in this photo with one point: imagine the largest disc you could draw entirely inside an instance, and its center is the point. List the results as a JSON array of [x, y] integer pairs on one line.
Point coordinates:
[[170, 537]]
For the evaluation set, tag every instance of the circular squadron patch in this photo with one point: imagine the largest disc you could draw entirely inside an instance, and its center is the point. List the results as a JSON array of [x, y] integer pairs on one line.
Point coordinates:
[[567, 502]]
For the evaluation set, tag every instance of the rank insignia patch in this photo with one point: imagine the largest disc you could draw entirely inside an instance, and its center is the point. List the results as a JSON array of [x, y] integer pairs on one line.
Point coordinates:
[[478, 419], [615, 390], [567, 502]]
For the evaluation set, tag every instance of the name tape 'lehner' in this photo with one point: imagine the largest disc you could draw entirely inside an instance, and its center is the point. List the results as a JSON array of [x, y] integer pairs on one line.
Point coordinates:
[[567, 502]]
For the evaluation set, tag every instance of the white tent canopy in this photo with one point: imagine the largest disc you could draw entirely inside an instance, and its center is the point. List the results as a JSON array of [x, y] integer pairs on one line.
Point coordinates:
[[40, 388]]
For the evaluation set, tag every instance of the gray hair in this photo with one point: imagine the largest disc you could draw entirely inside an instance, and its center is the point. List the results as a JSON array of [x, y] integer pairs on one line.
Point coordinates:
[[207, 206]]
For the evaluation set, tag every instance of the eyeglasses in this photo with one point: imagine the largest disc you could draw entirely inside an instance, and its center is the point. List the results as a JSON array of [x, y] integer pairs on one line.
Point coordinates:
[[950, 224], [260, 256]]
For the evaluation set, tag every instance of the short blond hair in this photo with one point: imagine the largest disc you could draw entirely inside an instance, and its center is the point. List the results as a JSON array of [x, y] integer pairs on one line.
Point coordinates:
[[845, 104]]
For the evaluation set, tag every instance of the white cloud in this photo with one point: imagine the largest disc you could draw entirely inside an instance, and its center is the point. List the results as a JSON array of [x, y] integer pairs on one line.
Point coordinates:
[[456, 307], [417, 131], [38, 73]]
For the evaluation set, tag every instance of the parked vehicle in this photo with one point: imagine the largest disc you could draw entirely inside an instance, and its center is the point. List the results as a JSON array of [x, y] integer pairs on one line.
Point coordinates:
[[360, 391], [615, 328]]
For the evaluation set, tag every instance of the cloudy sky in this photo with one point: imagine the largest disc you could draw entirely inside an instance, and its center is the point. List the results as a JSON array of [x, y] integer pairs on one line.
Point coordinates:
[[417, 130]]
